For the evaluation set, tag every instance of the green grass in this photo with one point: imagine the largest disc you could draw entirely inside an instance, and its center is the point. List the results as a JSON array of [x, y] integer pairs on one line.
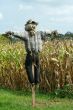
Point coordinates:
[[20, 100]]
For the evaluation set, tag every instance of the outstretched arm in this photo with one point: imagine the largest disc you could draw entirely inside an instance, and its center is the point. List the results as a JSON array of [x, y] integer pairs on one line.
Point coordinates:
[[17, 35], [44, 36]]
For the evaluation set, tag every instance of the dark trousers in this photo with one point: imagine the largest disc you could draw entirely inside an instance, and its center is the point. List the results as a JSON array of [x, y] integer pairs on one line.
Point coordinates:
[[30, 59]]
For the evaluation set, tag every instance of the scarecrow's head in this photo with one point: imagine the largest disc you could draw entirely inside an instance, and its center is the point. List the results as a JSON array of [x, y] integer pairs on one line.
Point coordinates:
[[30, 27]]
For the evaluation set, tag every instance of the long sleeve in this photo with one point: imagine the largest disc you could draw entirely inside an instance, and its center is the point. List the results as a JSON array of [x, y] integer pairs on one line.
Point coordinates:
[[44, 36], [21, 36]]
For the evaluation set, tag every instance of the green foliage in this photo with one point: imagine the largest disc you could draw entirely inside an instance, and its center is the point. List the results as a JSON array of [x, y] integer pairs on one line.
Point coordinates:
[[66, 91], [4, 39]]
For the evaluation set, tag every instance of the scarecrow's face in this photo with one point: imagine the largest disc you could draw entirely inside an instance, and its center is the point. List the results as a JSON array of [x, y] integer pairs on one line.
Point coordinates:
[[30, 28]]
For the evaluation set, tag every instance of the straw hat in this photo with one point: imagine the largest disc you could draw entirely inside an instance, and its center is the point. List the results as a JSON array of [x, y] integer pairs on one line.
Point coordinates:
[[31, 22]]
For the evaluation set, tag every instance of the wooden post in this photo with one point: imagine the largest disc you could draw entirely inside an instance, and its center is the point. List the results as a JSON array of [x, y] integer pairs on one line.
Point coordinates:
[[33, 88]]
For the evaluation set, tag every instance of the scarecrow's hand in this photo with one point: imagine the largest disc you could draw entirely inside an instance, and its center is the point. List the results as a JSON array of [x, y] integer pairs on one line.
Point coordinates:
[[9, 33]]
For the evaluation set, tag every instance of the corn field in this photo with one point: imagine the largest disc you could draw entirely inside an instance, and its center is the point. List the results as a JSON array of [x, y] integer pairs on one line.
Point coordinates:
[[56, 63]]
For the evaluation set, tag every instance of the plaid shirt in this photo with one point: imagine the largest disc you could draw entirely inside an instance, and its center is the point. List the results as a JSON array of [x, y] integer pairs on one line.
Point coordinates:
[[34, 43]]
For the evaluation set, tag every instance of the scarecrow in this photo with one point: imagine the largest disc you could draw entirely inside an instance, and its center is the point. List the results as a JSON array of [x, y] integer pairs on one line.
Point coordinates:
[[33, 44]]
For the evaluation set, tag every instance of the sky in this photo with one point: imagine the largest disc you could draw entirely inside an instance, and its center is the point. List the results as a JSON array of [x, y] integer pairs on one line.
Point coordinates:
[[50, 14]]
